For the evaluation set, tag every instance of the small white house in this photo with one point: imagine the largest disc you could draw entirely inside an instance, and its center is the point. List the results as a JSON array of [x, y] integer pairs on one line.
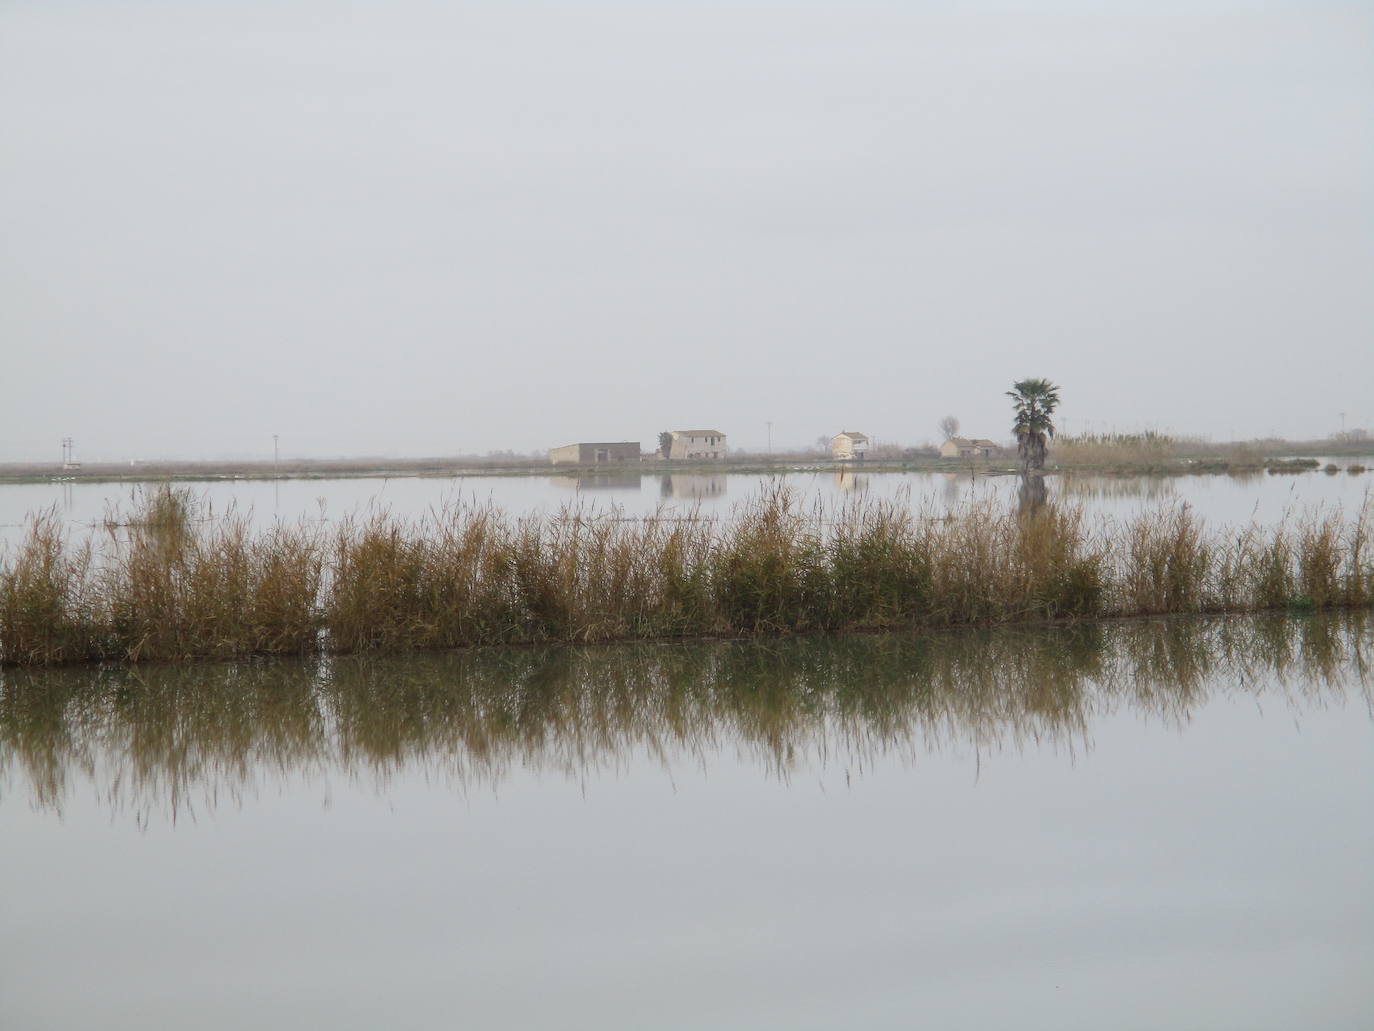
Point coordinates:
[[849, 446], [697, 444]]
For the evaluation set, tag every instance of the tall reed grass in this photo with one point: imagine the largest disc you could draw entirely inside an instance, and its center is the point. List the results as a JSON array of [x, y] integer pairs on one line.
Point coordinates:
[[166, 587], [1147, 448], [162, 588]]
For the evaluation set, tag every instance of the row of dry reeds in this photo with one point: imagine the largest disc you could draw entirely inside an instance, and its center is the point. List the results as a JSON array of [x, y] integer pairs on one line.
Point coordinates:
[[1160, 451], [176, 588], [1147, 448]]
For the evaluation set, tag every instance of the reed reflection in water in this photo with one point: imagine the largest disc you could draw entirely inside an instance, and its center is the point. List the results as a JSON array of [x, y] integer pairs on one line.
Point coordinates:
[[177, 739]]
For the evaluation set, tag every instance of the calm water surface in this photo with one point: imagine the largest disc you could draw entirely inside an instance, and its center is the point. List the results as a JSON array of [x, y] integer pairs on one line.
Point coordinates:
[[1219, 499], [1154, 824]]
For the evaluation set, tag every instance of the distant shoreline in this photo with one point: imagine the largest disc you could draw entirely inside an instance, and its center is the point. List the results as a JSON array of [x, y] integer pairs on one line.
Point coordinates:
[[1236, 459]]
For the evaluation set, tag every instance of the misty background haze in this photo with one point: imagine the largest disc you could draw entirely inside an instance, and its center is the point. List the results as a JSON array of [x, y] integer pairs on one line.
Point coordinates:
[[430, 228]]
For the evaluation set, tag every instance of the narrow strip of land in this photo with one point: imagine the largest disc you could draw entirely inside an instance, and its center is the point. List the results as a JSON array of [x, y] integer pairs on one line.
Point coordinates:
[[171, 584]]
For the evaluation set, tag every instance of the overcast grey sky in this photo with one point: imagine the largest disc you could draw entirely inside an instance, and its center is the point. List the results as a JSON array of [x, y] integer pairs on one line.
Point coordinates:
[[421, 228]]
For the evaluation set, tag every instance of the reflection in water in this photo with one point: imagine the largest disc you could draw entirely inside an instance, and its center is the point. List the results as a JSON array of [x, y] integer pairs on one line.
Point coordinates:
[[176, 738], [847, 481], [691, 486], [1100, 488], [953, 488], [597, 481], [1032, 495]]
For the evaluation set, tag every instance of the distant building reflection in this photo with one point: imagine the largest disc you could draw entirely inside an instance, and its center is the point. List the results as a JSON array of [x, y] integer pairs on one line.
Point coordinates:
[[598, 481], [691, 486], [846, 480]]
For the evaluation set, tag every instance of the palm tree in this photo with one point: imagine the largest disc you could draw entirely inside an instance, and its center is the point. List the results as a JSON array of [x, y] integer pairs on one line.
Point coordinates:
[[1035, 401]]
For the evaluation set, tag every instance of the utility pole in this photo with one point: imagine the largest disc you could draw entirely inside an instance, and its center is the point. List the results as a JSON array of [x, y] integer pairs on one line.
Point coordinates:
[[769, 424], [274, 454], [68, 449]]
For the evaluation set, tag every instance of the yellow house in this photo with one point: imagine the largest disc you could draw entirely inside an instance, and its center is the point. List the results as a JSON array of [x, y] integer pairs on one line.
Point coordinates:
[[848, 446], [961, 447]]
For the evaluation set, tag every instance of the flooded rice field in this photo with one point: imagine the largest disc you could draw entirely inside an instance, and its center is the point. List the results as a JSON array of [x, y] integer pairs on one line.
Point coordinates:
[[1142, 824], [1231, 499], [1147, 823]]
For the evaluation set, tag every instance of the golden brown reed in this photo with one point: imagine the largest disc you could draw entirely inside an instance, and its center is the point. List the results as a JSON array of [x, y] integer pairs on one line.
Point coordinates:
[[180, 587], [1086, 449], [162, 589]]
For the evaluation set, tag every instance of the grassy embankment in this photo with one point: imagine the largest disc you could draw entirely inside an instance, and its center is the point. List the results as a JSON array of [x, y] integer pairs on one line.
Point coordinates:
[[168, 585]]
